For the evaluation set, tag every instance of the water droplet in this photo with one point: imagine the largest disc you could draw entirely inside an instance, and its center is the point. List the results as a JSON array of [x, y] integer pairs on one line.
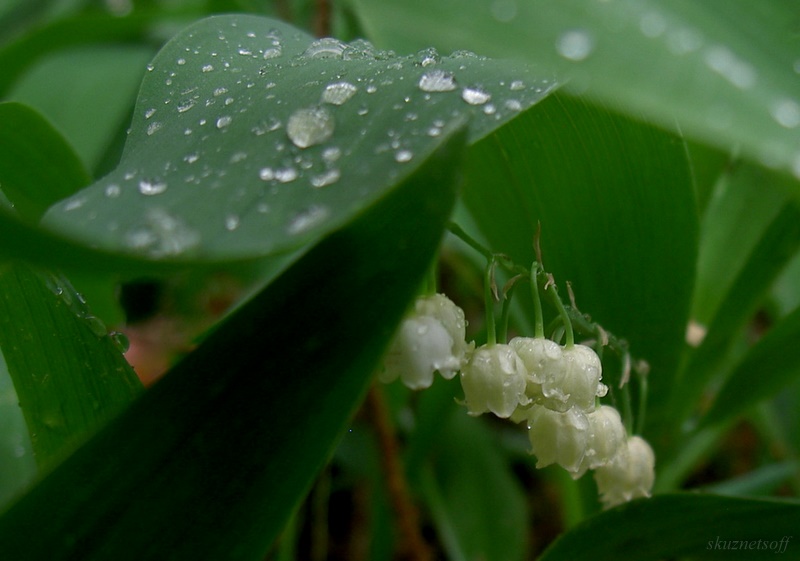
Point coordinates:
[[428, 57], [181, 61], [113, 191], [220, 91], [403, 156], [224, 121], [153, 127], [228, 101], [372, 88], [266, 174], [272, 52], [489, 109], [786, 113], [338, 93], [575, 44], [231, 222], [307, 220], [327, 47], [152, 187], [286, 175], [149, 113], [722, 61], [310, 126], [245, 52], [96, 325], [437, 81], [184, 106], [191, 158], [74, 204], [684, 40], [652, 25], [207, 68], [120, 341], [331, 154], [504, 11], [475, 96], [161, 235], [513, 105], [517, 85], [324, 179]]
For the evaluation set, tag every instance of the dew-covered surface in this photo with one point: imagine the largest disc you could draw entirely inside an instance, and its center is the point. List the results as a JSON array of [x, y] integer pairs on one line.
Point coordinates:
[[249, 137], [728, 72]]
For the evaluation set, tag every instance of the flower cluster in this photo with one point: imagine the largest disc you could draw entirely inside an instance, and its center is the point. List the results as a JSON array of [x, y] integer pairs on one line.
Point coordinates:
[[553, 389]]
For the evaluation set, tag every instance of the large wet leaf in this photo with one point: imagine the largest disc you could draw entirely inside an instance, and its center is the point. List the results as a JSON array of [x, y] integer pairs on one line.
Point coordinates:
[[250, 138], [670, 526], [210, 462], [726, 69]]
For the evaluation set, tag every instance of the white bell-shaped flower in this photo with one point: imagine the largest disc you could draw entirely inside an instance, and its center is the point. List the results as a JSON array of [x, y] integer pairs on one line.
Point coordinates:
[[543, 360], [577, 383], [558, 437], [607, 437], [629, 475], [430, 339], [494, 379]]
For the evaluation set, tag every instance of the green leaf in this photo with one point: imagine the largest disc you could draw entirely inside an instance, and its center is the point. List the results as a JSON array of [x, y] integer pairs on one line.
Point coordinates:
[[248, 139], [69, 375], [725, 69], [669, 526], [87, 113], [725, 246], [484, 504], [616, 205], [37, 167], [243, 423], [17, 466], [771, 365], [779, 242]]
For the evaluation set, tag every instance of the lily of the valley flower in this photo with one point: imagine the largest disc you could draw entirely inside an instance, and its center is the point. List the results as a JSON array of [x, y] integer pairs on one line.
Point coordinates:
[[630, 474], [494, 379], [430, 339]]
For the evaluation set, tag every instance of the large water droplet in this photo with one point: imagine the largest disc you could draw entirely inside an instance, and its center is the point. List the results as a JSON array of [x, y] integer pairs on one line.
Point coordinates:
[[324, 179], [475, 96], [286, 175], [152, 187], [575, 44], [310, 126], [224, 121], [437, 81], [231, 222], [161, 235], [786, 113], [327, 47], [307, 220], [112, 191], [403, 156], [338, 93], [722, 61]]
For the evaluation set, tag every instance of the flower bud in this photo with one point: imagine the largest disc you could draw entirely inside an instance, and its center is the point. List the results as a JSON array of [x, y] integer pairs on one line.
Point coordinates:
[[494, 380], [558, 437], [431, 338], [629, 475]]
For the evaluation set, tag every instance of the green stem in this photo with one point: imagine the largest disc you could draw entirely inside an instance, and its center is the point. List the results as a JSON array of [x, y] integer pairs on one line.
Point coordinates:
[[642, 410], [459, 232], [502, 334], [537, 302], [491, 328], [562, 311]]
